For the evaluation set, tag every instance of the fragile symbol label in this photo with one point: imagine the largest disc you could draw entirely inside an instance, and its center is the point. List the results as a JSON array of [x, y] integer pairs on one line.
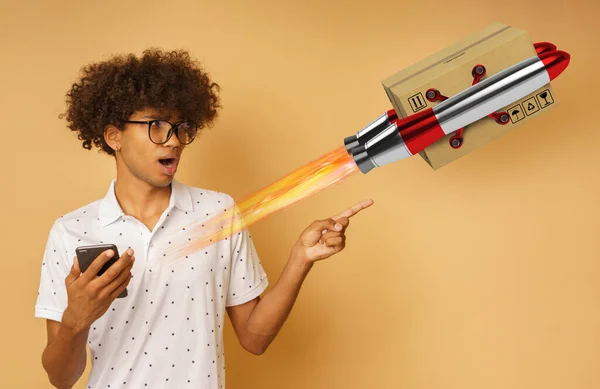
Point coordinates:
[[417, 102], [544, 98]]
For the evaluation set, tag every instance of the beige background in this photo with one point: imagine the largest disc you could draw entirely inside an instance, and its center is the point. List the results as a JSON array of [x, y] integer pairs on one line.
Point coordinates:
[[481, 275]]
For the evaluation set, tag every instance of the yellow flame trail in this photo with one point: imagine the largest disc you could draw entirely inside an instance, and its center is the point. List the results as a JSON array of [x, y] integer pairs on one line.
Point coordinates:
[[323, 172]]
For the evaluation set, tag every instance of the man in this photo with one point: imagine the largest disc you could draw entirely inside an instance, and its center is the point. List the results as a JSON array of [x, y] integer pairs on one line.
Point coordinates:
[[168, 331]]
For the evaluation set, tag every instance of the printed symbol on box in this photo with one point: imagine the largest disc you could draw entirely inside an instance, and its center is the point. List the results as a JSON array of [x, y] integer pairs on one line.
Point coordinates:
[[417, 102], [531, 106], [516, 113], [545, 98]]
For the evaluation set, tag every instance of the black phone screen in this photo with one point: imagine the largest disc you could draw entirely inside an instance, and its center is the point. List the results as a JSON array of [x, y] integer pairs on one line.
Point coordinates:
[[87, 254]]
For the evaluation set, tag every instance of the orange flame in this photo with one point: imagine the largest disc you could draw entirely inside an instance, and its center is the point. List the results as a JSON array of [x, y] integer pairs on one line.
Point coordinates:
[[330, 169]]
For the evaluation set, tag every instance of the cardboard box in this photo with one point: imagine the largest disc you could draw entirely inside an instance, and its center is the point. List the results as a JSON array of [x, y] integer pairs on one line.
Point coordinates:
[[497, 47]]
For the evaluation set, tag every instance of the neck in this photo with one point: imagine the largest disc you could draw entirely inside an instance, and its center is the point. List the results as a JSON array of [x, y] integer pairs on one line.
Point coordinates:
[[139, 199]]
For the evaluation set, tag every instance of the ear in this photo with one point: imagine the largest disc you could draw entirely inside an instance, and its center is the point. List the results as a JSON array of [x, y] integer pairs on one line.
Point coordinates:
[[112, 136]]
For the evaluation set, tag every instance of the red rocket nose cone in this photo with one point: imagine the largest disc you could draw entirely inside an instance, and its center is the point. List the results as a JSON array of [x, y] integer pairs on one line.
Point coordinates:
[[542, 47], [555, 61]]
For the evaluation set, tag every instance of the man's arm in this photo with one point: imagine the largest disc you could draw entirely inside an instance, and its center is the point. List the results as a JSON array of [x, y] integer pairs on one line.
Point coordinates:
[[64, 357], [257, 322]]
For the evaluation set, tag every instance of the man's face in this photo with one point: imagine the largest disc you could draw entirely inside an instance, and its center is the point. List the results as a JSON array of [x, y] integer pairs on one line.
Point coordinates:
[[153, 163]]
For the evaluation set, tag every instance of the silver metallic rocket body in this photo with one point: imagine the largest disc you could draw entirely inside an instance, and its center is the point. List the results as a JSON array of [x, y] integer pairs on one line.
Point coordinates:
[[491, 94], [385, 147], [370, 131]]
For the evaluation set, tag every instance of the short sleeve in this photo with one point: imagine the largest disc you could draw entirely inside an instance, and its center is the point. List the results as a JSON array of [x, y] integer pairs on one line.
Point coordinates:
[[248, 278], [52, 294]]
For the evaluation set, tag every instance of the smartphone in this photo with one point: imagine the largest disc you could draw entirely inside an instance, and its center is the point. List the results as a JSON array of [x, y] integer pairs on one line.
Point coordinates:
[[87, 254]]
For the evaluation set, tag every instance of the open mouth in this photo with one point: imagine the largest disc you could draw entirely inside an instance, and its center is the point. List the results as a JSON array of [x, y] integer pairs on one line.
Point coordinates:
[[167, 162]]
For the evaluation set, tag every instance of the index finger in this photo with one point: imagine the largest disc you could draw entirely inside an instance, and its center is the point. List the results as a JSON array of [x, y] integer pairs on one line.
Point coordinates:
[[97, 264], [353, 210]]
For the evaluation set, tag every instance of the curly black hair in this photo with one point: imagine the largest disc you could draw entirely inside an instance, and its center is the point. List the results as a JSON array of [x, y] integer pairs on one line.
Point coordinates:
[[108, 92]]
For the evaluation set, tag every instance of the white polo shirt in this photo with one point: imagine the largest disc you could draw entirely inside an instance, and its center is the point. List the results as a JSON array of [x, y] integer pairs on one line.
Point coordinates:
[[168, 332]]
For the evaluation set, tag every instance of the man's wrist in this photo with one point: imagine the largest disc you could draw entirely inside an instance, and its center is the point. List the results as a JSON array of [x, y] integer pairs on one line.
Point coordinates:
[[299, 261], [70, 326]]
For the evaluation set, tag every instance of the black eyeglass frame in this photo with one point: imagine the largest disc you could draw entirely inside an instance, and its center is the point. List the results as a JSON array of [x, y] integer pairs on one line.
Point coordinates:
[[174, 128]]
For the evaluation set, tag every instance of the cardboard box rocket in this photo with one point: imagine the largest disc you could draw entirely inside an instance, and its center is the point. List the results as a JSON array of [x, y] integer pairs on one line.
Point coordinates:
[[451, 71]]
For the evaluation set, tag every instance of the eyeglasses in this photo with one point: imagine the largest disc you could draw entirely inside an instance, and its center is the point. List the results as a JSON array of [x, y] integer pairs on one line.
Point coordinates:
[[160, 131]]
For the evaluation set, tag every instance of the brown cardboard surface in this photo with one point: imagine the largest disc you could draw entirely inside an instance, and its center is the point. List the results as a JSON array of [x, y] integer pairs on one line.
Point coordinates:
[[497, 47]]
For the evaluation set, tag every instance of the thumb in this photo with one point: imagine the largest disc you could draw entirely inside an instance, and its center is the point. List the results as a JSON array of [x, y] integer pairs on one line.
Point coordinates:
[[313, 233], [325, 225], [74, 273]]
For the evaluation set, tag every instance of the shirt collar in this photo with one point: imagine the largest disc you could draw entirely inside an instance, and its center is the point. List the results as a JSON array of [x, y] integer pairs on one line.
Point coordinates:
[[110, 210]]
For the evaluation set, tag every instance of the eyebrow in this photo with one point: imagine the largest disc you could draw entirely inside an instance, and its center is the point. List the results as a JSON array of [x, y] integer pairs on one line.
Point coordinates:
[[157, 117]]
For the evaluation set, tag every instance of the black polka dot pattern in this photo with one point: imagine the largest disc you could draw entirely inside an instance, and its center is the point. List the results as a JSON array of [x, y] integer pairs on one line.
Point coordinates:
[[169, 328]]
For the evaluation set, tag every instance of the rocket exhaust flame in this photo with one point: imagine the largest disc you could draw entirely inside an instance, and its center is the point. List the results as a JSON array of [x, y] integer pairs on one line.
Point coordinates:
[[323, 172]]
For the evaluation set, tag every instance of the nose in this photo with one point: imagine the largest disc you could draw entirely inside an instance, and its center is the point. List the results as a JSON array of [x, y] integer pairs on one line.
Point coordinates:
[[173, 141]]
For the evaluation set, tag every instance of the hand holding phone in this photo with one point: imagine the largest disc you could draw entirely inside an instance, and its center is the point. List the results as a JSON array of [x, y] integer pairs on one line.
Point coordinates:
[[95, 283], [87, 254]]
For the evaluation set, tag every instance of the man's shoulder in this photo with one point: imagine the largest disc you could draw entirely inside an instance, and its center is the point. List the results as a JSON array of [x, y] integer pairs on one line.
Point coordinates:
[[84, 213], [210, 197]]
